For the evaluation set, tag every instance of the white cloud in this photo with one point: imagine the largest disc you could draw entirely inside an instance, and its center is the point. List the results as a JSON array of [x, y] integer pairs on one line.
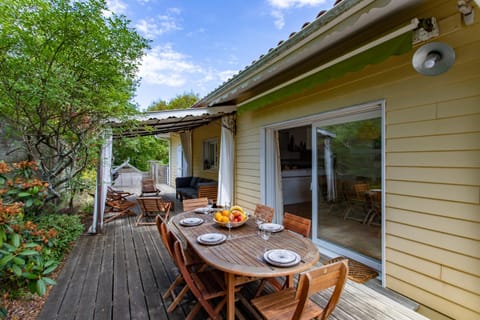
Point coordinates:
[[279, 19], [153, 27], [116, 6], [164, 66], [280, 6]]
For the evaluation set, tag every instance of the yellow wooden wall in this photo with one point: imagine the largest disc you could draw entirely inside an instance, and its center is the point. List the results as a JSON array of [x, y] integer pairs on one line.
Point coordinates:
[[432, 163], [212, 130]]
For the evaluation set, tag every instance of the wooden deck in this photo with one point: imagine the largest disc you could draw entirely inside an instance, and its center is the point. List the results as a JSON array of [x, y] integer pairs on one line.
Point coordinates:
[[122, 273]]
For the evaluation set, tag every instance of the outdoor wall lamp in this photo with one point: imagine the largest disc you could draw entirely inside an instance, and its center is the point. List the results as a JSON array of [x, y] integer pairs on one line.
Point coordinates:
[[433, 58]]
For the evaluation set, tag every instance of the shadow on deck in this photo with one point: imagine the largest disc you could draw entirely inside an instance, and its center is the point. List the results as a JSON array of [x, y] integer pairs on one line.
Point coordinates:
[[123, 272]]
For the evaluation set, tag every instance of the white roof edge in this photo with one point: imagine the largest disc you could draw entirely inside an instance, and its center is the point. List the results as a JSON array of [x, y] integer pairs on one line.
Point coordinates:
[[181, 113]]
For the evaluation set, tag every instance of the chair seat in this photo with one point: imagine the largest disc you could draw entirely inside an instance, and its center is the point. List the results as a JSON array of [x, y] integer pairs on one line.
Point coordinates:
[[281, 305]]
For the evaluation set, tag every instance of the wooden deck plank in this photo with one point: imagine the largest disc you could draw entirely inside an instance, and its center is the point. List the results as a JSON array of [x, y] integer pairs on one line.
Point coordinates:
[[89, 293], [104, 297], [121, 306], [138, 308], [163, 269], [122, 273], [55, 298]]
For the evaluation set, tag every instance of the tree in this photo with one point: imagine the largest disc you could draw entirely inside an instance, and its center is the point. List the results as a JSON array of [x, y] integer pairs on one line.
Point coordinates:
[[140, 150], [65, 69], [181, 101]]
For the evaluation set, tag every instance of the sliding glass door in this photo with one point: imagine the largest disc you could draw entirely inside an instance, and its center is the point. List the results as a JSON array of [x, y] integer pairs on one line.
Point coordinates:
[[347, 168]]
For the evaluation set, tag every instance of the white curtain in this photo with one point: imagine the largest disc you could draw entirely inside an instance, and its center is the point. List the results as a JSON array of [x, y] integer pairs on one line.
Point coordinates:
[[104, 179], [278, 181], [329, 170], [227, 156], [186, 140]]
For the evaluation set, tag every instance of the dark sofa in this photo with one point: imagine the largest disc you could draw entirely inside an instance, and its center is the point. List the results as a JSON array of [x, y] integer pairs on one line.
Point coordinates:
[[195, 187]]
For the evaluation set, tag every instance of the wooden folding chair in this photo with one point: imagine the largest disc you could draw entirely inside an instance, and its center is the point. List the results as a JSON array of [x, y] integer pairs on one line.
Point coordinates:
[[113, 194], [192, 263], [192, 204], [291, 303], [148, 187], [118, 208], [265, 212], [205, 285], [151, 207], [297, 224]]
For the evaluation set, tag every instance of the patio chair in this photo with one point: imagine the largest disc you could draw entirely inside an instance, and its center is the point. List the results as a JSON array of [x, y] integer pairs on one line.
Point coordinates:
[[192, 204], [291, 303], [113, 194], [151, 207], [297, 224], [193, 263], [265, 212], [148, 187], [376, 207], [356, 195], [205, 285], [118, 208]]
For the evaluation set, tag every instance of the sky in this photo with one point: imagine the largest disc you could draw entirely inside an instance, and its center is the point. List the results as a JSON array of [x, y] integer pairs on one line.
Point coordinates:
[[196, 45]]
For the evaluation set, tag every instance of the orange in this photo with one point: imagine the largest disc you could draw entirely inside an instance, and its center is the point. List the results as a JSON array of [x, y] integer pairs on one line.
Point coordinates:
[[225, 213]]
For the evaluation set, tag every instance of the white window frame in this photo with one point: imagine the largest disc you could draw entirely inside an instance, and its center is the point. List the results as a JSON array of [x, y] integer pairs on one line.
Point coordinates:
[[206, 154]]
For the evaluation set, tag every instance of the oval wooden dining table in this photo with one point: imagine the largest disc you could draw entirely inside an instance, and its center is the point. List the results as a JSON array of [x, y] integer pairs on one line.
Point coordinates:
[[241, 258]]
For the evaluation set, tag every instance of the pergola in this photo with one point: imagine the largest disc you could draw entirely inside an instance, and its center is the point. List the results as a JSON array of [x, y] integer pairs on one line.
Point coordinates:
[[154, 123]]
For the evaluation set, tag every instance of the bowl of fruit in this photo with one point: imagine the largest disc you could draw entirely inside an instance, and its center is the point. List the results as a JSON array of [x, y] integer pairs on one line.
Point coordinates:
[[236, 215]]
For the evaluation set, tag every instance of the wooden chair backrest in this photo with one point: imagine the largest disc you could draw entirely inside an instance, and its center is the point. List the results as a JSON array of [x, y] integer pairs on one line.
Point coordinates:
[[192, 204], [165, 235], [360, 189], [319, 279], [209, 191], [297, 224], [265, 212], [153, 204], [195, 284]]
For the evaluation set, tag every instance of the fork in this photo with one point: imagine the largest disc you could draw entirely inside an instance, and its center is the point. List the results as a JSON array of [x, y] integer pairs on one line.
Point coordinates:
[[262, 260]]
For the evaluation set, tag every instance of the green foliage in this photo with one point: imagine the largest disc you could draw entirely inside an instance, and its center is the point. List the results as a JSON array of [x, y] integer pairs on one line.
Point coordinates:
[[66, 68], [140, 150], [25, 254], [68, 228], [181, 101]]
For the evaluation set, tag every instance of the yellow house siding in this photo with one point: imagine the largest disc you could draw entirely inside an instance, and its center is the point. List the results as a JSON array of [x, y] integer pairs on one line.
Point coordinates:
[[199, 135], [432, 164]]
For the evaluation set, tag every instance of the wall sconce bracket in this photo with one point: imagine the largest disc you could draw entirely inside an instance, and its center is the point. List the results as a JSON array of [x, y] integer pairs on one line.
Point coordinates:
[[427, 29]]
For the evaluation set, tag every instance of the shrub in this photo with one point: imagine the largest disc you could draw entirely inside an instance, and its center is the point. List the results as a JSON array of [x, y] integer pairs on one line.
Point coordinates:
[[26, 257]]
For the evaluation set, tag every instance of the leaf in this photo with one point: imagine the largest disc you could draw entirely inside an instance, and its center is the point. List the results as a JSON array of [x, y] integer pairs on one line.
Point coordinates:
[[49, 270], [41, 287], [17, 270], [31, 245], [29, 202], [19, 261], [6, 259], [29, 275], [24, 194], [49, 281], [28, 253], [16, 240]]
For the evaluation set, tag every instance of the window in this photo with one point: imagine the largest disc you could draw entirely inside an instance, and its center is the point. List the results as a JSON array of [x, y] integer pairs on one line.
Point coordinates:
[[210, 154]]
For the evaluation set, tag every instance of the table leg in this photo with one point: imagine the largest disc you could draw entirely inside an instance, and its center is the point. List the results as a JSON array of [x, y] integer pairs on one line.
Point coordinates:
[[230, 296], [289, 281]]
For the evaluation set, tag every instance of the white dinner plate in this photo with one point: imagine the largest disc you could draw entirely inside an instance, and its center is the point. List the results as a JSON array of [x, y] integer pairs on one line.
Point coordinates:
[[202, 210], [272, 227], [189, 222], [282, 258], [211, 238]]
